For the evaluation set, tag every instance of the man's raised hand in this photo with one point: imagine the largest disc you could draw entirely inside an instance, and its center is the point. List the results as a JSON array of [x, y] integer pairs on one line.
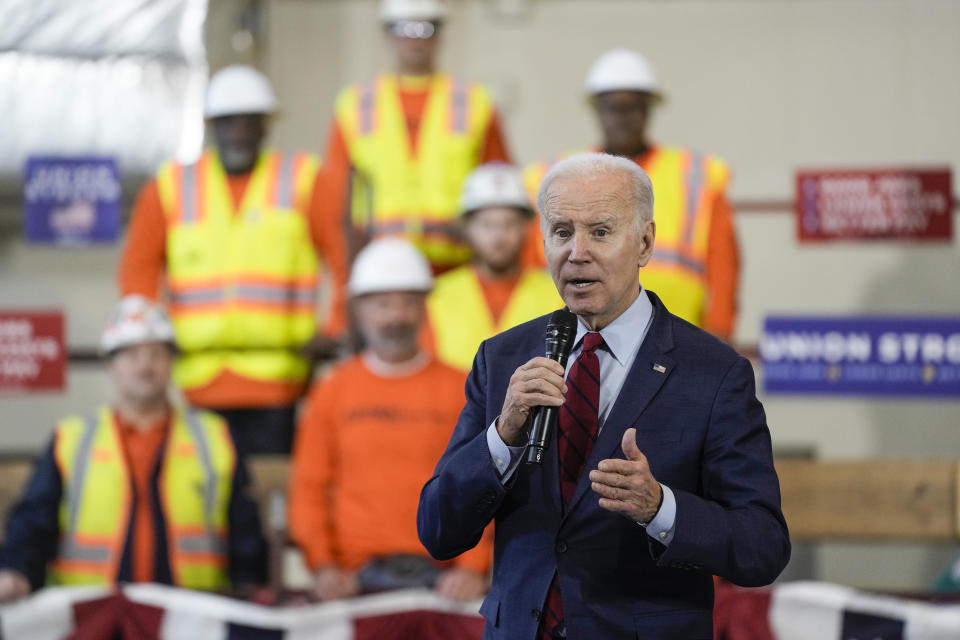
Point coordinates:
[[627, 486]]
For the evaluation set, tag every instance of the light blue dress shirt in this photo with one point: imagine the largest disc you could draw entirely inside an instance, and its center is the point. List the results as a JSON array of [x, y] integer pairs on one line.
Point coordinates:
[[622, 342]]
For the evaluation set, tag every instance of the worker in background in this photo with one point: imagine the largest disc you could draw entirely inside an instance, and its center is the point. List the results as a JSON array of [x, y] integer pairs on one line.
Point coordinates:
[[695, 265], [237, 237], [494, 292], [371, 434], [138, 491], [400, 146]]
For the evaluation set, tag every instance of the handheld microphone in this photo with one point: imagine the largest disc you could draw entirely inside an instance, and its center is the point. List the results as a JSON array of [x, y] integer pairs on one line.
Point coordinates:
[[561, 329]]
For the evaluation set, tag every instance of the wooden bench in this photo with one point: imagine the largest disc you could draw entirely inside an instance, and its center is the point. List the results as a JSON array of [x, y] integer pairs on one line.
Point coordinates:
[[881, 499]]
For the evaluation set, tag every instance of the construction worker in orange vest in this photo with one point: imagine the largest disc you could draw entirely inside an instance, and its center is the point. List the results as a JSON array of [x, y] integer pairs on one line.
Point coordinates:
[[138, 491], [401, 145], [238, 238], [373, 430], [495, 291], [695, 264]]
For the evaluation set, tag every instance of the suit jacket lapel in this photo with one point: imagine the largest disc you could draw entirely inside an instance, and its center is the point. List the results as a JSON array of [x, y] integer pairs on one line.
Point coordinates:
[[643, 382]]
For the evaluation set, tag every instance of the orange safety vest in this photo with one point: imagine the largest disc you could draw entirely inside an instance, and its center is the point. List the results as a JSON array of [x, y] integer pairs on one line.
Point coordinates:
[[195, 485], [397, 193], [243, 284], [686, 185]]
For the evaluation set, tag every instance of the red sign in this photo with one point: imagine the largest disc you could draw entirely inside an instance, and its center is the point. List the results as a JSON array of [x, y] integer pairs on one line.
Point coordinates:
[[874, 204], [32, 351]]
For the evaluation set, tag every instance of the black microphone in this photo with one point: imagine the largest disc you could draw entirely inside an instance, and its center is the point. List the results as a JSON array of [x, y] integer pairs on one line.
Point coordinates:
[[561, 329]]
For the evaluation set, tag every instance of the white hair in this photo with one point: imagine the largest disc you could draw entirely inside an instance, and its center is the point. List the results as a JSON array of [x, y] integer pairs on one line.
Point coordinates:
[[586, 165]]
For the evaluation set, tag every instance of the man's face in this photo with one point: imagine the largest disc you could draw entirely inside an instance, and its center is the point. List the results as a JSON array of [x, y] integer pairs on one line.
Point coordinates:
[[141, 373], [497, 236], [414, 54], [593, 246], [623, 117], [390, 323], [238, 140]]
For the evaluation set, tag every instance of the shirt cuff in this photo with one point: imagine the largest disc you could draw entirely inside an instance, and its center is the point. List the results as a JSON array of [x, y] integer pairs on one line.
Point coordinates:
[[505, 458], [661, 527]]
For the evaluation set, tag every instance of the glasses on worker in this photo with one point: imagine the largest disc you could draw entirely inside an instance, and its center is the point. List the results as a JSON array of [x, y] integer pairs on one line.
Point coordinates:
[[416, 29]]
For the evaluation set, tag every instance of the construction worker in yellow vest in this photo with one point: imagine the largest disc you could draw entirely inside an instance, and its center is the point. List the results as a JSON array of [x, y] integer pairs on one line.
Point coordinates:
[[494, 292], [136, 491], [237, 237], [695, 264], [401, 145]]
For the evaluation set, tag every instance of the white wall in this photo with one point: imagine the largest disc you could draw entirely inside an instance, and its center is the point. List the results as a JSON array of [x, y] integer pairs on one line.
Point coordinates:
[[769, 85]]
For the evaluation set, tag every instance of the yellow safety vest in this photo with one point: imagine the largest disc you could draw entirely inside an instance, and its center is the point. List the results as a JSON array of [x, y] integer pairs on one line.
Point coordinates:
[[194, 485], [397, 193], [243, 284], [461, 320], [686, 185]]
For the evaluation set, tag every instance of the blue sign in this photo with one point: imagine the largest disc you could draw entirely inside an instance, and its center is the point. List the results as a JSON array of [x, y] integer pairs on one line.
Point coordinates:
[[71, 200], [878, 356]]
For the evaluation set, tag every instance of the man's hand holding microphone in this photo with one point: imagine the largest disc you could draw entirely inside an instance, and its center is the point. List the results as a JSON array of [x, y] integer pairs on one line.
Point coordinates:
[[538, 383], [529, 415]]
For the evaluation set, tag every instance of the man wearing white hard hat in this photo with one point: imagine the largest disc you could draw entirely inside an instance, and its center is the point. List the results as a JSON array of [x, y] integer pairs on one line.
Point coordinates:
[[139, 490], [494, 292], [236, 239], [401, 145], [372, 432], [695, 266]]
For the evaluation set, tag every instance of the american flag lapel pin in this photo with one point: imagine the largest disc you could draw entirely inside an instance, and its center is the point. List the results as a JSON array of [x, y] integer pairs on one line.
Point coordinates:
[[659, 368]]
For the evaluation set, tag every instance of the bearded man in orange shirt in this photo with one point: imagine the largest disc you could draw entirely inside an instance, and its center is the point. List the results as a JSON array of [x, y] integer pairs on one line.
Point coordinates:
[[372, 433]]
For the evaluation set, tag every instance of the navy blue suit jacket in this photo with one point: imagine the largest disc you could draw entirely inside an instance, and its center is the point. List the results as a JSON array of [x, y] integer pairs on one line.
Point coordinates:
[[705, 436]]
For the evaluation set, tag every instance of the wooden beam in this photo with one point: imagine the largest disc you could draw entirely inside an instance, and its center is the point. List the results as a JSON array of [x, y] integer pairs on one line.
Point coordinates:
[[871, 500]]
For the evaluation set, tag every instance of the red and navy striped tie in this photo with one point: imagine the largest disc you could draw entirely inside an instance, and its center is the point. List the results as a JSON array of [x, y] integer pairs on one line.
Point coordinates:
[[578, 424]]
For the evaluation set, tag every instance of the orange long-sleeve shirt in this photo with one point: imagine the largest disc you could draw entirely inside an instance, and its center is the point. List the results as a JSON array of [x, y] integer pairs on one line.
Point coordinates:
[[413, 95], [365, 446], [141, 448], [722, 263], [143, 265]]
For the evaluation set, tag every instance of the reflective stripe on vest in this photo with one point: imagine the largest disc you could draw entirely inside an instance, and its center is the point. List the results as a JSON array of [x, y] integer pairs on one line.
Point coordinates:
[[94, 522], [694, 186], [458, 107], [188, 195], [460, 318], [397, 192], [241, 280]]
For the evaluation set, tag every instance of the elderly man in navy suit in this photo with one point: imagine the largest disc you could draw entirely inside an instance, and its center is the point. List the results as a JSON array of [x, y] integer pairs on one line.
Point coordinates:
[[661, 474]]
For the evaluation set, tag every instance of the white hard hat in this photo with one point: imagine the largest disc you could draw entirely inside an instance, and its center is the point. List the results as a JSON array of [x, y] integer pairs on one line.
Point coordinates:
[[389, 264], [494, 185], [239, 89], [136, 320], [395, 10], [622, 70]]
